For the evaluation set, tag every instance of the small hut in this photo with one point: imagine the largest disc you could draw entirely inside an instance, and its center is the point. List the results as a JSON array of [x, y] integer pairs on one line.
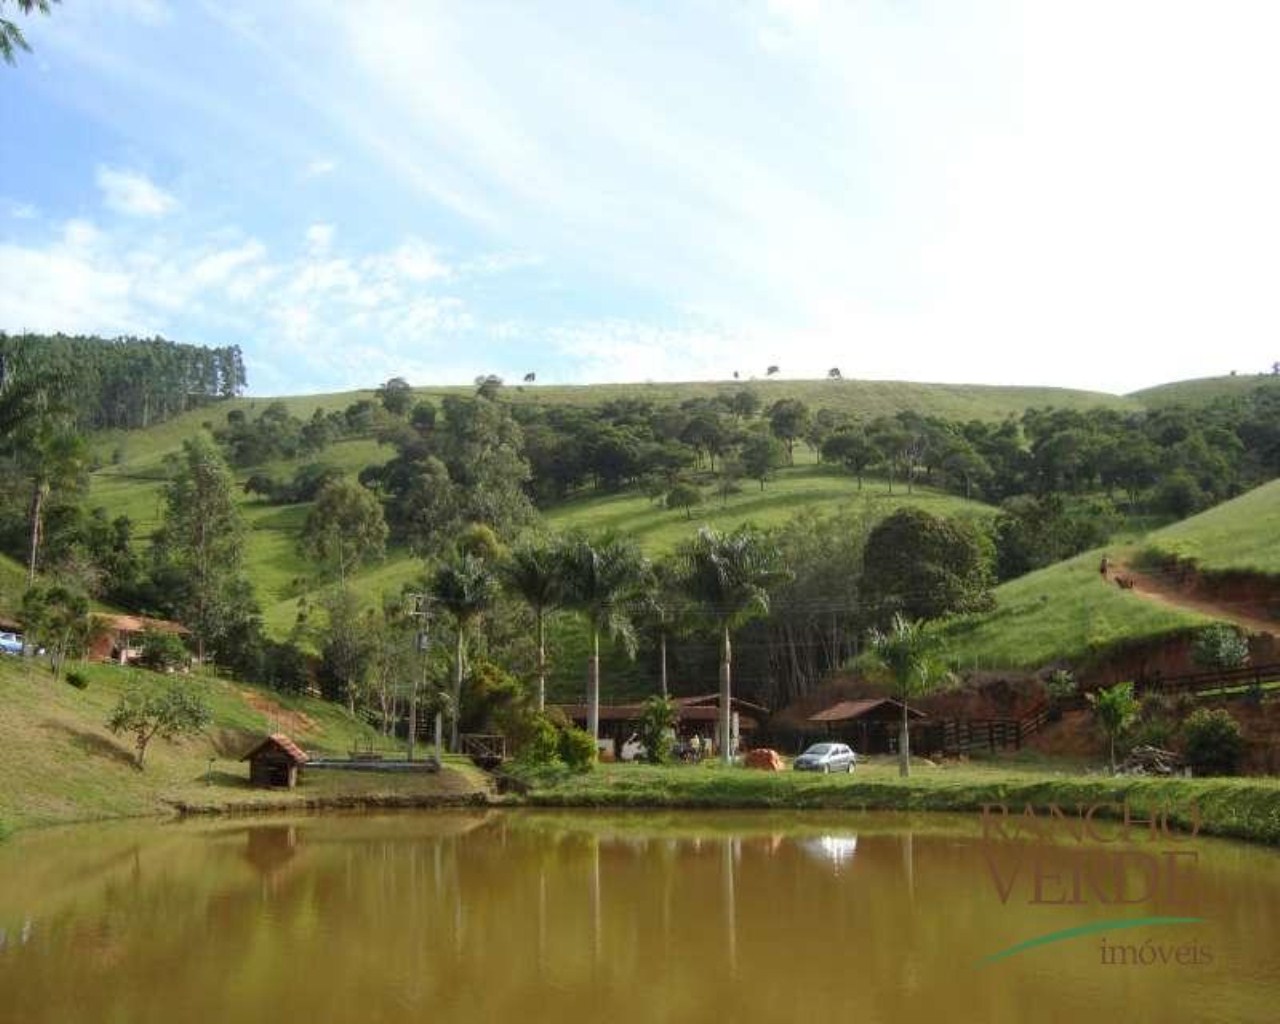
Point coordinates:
[[275, 762]]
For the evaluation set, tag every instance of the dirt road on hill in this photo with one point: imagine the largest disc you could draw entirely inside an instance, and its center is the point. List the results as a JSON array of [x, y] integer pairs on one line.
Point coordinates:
[[1154, 586]]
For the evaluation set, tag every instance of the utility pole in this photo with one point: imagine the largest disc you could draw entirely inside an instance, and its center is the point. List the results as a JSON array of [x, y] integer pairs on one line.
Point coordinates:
[[420, 609]]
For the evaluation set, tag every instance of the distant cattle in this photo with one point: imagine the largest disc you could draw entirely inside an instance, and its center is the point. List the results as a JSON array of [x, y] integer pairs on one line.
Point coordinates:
[[1124, 582]]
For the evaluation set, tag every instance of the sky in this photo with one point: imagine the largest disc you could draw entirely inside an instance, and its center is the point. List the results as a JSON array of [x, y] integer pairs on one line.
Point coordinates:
[[1081, 194]]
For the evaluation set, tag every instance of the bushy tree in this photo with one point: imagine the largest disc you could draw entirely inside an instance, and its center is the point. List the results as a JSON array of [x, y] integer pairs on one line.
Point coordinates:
[[344, 528], [922, 567], [1211, 742]]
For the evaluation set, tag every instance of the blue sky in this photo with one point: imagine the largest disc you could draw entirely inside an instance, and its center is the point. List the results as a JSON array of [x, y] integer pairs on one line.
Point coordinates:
[[1076, 194]]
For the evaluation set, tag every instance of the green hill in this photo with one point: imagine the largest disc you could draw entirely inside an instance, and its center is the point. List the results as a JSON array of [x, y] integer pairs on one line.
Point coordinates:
[[1063, 613], [1204, 390], [1241, 535], [1066, 612]]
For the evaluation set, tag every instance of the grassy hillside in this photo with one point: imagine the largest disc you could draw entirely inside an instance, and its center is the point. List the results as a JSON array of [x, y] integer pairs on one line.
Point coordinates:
[[1065, 612], [1241, 535], [659, 530], [1204, 390], [59, 762]]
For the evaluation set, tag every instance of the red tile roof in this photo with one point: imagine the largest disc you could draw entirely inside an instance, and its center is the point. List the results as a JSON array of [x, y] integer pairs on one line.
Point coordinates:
[[280, 740]]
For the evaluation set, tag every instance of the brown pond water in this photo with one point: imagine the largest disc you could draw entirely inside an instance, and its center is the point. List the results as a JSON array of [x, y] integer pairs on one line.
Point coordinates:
[[534, 917]]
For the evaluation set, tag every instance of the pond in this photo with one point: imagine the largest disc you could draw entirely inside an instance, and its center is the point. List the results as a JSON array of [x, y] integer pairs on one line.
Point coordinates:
[[530, 916]]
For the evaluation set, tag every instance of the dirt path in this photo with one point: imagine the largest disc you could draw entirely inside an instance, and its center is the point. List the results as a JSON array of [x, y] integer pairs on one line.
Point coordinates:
[[1162, 590], [283, 719]]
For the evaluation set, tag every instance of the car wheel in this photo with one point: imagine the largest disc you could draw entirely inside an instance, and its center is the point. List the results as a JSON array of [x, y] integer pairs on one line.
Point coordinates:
[[826, 769], [849, 770]]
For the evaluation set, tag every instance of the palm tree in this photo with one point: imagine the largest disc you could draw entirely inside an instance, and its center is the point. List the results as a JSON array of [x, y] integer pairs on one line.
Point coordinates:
[[658, 604], [907, 654], [1115, 708], [465, 588], [730, 575], [535, 573], [603, 577]]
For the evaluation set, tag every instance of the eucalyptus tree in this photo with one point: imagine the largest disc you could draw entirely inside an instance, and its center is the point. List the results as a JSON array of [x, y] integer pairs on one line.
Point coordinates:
[[465, 587], [603, 577], [201, 542], [535, 573], [908, 656], [730, 575]]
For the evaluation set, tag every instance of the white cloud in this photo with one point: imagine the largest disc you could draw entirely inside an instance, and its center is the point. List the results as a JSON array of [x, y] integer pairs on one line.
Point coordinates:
[[133, 193], [320, 237], [319, 167], [23, 211]]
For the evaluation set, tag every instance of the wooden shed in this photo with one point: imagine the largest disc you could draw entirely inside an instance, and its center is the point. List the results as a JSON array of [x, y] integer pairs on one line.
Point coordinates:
[[275, 762], [870, 725]]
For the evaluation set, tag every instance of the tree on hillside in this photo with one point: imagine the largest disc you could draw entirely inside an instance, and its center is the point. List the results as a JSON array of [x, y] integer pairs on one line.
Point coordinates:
[[852, 449], [344, 528], [200, 545], [57, 619], [603, 577], [55, 458], [347, 649], [789, 419], [907, 656], [535, 573], [761, 456], [1115, 708], [11, 37], [923, 567], [730, 575], [396, 396], [684, 496], [168, 712], [464, 587]]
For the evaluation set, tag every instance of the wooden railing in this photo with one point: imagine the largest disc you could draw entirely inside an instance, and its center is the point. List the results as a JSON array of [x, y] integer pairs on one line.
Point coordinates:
[[486, 750]]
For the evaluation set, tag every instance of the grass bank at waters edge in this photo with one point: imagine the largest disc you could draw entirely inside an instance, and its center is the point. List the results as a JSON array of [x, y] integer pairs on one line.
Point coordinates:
[[1236, 808], [59, 763]]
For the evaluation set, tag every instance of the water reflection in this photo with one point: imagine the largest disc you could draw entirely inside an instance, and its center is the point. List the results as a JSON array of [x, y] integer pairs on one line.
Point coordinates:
[[836, 850], [534, 917]]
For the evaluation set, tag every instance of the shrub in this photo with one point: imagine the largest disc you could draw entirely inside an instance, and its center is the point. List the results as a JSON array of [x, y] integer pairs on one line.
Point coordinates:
[[656, 729], [577, 749], [1212, 743], [78, 679], [537, 740], [162, 651], [1220, 646]]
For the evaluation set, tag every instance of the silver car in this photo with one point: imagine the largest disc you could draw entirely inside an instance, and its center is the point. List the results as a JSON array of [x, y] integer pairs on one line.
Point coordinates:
[[826, 758]]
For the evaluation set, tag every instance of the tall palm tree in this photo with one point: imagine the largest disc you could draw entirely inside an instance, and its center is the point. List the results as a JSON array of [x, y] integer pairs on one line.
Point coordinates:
[[603, 577], [535, 573], [658, 604], [730, 575], [465, 588], [907, 654]]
